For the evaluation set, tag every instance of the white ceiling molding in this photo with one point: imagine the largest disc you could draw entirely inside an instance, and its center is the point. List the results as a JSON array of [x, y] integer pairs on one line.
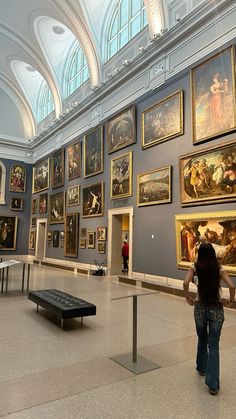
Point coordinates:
[[156, 16], [77, 25]]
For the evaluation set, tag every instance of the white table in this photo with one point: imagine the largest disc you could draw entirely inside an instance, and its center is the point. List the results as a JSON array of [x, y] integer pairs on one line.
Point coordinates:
[[6, 265]]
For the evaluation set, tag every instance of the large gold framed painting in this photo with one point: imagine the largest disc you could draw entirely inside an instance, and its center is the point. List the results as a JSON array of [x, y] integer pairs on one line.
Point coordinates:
[[208, 176], [154, 187], [121, 176], [121, 130], [93, 200], [93, 152], [8, 232], [163, 121], [41, 176], [71, 235], [213, 96], [74, 161], [217, 228], [56, 208]]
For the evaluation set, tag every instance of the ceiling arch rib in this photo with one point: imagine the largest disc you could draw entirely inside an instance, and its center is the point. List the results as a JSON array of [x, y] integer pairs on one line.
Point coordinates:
[[77, 25], [156, 16]]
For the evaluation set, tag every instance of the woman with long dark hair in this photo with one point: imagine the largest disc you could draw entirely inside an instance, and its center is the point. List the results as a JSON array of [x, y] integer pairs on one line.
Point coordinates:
[[207, 274]]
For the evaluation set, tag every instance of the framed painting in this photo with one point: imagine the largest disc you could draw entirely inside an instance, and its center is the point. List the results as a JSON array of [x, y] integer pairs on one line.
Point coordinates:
[[208, 176], [93, 200], [93, 152], [121, 130], [49, 236], [33, 222], [121, 176], [91, 240], [8, 232], [57, 169], [17, 178], [62, 235], [154, 187], [101, 233], [74, 161], [56, 208], [17, 204], [43, 203], [34, 206], [73, 196], [213, 96], [71, 235], [83, 232], [102, 248], [55, 238], [217, 228], [32, 240], [82, 244], [163, 121], [41, 176]]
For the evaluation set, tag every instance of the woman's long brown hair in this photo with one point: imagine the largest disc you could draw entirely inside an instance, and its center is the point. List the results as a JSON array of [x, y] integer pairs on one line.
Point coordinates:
[[208, 272]]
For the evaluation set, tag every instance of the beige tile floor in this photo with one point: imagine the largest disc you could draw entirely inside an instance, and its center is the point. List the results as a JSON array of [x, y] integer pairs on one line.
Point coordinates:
[[47, 372]]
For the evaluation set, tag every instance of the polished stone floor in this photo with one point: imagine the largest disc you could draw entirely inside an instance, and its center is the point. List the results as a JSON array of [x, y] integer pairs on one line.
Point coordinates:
[[47, 372]]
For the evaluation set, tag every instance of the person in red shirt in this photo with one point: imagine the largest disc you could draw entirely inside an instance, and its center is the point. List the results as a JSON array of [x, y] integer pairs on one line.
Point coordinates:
[[125, 255]]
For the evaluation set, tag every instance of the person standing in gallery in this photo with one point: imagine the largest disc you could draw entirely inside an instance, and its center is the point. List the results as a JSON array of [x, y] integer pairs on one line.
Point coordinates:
[[207, 275], [125, 255]]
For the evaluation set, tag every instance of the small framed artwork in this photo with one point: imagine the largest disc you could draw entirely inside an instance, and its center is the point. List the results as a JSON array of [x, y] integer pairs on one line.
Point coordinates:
[[163, 121], [57, 169], [43, 203], [93, 200], [49, 236], [121, 130], [34, 207], [17, 204], [93, 152], [121, 176], [213, 96], [71, 235], [32, 240], [102, 248], [17, 178], [217, 228], [62, 234], [41, 176], [8, 229], [73, 196], [154, 187], [57, 208], [91, 240], [83, 232], [82, 244], [74, 161], [101, 233], [33, 222], [55, 238]]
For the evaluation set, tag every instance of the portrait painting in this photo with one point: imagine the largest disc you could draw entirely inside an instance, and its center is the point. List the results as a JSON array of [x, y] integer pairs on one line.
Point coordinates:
[[17, 178], [121, 130], [93, 200], [55, 238], [17, 204], [8, 232], [71, 235], [74, 161], [82, 243], [217, 228], [73, 196], [57, 208], [93, 152], [213, 96], [62, 234], [163, 121], [208, 176], [34, 206], [49, 236], [57, 169], [91, 240], [41, 176], [102, 248], [154, 187], [83, 232], [43, 203], [33, 222], [121, 176], [32, 240], [101, 233]]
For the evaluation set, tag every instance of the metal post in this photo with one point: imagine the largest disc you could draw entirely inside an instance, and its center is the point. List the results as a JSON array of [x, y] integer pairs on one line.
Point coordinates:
[[23, 278], [2, 273], [7, 279], [28, 277], [135, 301]]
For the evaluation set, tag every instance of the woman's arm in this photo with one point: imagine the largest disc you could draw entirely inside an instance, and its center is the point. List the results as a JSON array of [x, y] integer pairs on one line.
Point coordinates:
[[228, 281], [188, 278]]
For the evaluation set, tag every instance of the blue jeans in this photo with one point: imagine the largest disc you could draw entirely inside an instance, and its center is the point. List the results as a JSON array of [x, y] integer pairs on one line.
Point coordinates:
[[209, 322]]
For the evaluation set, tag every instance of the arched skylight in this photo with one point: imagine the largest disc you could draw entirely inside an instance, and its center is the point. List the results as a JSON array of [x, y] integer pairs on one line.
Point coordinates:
[[127, 21], [77, 71], [45, 102]]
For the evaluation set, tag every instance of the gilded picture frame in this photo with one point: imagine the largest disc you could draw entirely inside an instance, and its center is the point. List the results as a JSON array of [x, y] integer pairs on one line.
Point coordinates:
[[82, 244], [73, 196], [208, 176], [55, 238], [43, 203], [121, 176], [41, 176], [93, 200], [163, 120], [32, 239], [17, 182], [71, 235], [91, 240], [58, 169], [154, 187], [217, 228], [73, 153], [93, 152], [8, 232], [83, 232], [102, 247], [57, 208], [34, 206], [17, 204], [121, 129], [213, 96], [101, 233]]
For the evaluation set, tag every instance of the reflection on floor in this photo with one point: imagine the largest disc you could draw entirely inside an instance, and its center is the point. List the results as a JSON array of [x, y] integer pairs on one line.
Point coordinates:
[[48, 372]]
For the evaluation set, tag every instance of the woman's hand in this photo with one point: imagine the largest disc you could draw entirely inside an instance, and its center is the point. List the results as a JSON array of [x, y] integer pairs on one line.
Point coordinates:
[[189, 300]]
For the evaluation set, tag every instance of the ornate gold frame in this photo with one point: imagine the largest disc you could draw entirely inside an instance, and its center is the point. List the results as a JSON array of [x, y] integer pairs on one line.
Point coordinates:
[[129, 193], [43, 189], [67, 195], [123, 111], [161, 201], [85, 151], [76, 234], [62, 152], [102, 200]]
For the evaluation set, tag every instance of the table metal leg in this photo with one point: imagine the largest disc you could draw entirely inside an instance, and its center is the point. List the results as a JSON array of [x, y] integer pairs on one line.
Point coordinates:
[[135, 304], [23, 278], [81, 321], [7, 279], [2, 274], [28, 277]]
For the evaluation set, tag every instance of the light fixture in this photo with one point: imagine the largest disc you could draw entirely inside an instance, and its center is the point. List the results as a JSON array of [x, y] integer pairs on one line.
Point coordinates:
[[156, 36], [141, 48], [164, 30], [116, 70], [125, 62]]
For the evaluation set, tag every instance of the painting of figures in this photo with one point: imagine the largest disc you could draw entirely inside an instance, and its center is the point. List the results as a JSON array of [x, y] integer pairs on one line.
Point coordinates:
[[218, 228], [71, 235], [208, 176], [73, 196], [91, 240], [93, 152], [121, 130], [8, 232], [55, 238], [154, 187], [41, 176], [74, 161], [163, 121], [43, 203], [34, 206], [57, 169], [213, 96], [56, 208], [93, 200], [32, 240], [17, 178], [121, 176]]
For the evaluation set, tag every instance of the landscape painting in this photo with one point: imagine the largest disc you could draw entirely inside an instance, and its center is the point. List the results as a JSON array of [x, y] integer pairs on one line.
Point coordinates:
[[93, 200], [121, 176], [74, 161], [93, 152], [154, 187], [41, 176], [57, 169], [121, 130]]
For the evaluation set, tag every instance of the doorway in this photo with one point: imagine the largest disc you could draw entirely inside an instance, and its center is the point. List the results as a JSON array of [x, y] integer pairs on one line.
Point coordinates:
[[120, 227], [41, 237]]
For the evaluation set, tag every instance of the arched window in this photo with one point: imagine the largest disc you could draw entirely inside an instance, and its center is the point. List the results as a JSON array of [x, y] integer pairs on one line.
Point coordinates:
[[78, 71], [46, 103], [2, 182], [127, 21]]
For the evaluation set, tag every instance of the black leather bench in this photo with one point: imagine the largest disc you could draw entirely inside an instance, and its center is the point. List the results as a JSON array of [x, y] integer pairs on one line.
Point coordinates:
[[63, 305]]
